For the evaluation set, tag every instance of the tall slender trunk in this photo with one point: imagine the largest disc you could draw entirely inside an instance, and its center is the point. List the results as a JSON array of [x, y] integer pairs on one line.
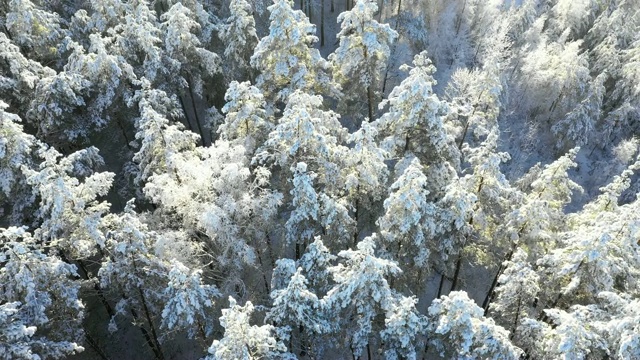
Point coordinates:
[[303, 343], [456, 272], [186, 114], [91, 341], [440, 286], [147, 314], [515, 322], [264, 277], [355, 218], [489, 297], [153, 337], [333, 6], [195, 113], [145, 333], [464, 134], [124, 133], [98, 289], [395, 27], [370, 102], [322, 22]]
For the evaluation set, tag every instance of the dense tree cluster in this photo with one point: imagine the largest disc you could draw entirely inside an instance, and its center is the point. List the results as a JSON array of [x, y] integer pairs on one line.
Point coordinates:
[[197, 179]]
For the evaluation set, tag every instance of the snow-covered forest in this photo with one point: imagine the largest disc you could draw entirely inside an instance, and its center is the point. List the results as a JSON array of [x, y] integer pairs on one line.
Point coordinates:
[[319, 179]]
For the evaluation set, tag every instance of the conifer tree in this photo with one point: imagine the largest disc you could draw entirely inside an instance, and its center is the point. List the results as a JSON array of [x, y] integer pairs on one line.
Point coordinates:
[[286, 60], [363, 52], [458, 328], [243, 340]]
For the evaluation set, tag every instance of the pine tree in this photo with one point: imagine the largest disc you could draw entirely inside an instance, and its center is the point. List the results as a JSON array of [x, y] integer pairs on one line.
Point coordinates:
[[306, 133], [241, 339], [315, 263], [39, 32], [518, 287], [403, 324], [135, 276], [20, 75], [40, 310], [363, 52], [16, 150], [361, 292], [70, 211], [187, 301], [409, 225], [297, 308], [190, 57], [239, 35], [285, 58], [414, 120], [458, 328], [303, 221], [246, 118]]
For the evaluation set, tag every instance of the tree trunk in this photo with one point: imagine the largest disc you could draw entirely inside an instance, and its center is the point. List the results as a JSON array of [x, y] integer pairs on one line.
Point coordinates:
[[456, 272], [195, 113], [124, 133], [332, 6], [489, 297], [370, 102], [440, 286], [322, 22], [154, 335], [95, 346], [393, 48], [97, 287], [515, 322], [145, 334], [264, 277], [355, 218], [184, 110]]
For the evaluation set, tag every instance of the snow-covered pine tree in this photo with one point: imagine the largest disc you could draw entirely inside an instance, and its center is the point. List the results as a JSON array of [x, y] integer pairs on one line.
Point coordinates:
[[246, 119], [239, 35], [286, 60], [361, 294], [71, 213], [307, 133], [517, 291], [135, 276], [16, 150], [403, 325], [20, 76], [38, 31], [457, 328], [160, 141], [40, 310], [242, 340], [362, 55], [298, 311], [414, 124], [534, 220], [191, 59], [302, 224], [364, 173], [409, 224], [315, 264], [187, 301]]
